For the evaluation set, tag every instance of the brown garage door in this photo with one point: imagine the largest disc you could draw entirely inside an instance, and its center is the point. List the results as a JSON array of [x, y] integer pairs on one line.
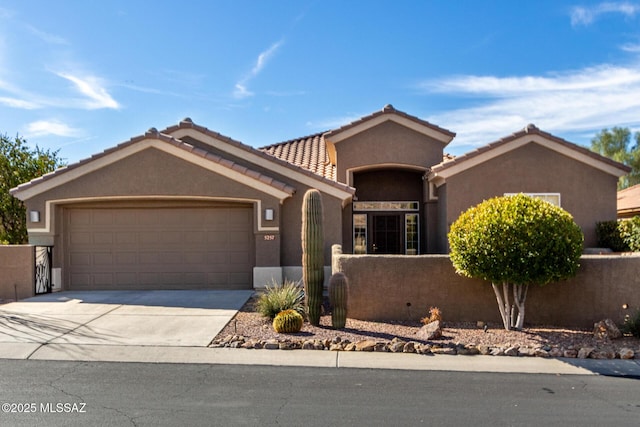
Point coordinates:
[[158, 248]]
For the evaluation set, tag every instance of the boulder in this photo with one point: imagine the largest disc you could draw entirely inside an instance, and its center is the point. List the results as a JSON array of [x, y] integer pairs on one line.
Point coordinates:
[[410, 347], [397, 346], [430, 331], [605, 353], [365, 345], [606, 329], [585, 352], [626, 353]]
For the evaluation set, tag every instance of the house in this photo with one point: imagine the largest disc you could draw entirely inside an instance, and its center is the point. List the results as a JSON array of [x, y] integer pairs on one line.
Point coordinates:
[[629, 202], [186, 207]]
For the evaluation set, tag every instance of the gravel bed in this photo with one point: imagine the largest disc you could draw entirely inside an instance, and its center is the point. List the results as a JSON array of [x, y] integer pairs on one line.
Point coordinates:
[[248, 325]]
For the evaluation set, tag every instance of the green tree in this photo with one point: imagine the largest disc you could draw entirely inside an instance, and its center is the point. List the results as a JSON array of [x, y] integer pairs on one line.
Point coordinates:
[[19, 164], [512, 242], [616, 144]]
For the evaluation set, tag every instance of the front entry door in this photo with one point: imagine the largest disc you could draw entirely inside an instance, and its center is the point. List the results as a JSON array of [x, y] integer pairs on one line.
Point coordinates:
[[386, 234]]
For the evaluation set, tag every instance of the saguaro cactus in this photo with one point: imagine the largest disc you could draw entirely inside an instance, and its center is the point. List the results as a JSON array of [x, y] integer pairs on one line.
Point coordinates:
[[312, 254], [338, 295]]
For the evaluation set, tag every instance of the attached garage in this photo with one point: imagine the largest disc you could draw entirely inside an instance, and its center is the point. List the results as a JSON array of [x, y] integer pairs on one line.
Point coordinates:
[[158, 246]]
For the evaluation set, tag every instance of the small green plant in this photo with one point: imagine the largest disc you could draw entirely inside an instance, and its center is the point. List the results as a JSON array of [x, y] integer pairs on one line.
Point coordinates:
[[631, 324], [279, 297], [288, 322]]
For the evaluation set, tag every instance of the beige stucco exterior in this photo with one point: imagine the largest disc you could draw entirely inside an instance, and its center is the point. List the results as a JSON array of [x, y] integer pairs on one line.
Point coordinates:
[[388, 156], [585, 192]]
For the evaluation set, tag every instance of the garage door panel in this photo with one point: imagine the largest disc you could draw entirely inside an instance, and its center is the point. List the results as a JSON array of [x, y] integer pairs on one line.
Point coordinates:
[[161, 248]]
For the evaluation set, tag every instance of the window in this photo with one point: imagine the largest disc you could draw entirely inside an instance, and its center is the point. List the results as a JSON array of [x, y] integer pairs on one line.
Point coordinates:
[[360, 234], [553, 198], [412, 231], [386, 206]]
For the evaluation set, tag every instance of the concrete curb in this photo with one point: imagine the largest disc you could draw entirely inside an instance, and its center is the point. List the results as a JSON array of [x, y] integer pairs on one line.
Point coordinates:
[[299, 358]]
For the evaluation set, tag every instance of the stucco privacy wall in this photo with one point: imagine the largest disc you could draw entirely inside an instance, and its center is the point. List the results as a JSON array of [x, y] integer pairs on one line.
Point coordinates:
[[17, 270], [404, 287]]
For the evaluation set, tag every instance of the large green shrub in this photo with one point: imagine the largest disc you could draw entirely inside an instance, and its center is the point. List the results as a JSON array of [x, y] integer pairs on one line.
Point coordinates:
[[280, 297], [622, 235], [515, 241]]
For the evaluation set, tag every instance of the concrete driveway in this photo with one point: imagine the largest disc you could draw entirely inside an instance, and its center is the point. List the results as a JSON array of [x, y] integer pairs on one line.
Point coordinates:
[[116, 318]]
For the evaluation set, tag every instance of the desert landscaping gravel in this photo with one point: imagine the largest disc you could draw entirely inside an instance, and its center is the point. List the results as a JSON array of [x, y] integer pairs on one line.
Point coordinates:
[[249, 329]]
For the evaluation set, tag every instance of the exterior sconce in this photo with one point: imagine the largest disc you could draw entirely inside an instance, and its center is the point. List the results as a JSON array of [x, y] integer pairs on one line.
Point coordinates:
[[268, 214], [34, 216]]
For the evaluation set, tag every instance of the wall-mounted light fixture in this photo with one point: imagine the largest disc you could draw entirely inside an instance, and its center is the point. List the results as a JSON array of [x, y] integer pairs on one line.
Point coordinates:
[[268, 214], [34, 216]]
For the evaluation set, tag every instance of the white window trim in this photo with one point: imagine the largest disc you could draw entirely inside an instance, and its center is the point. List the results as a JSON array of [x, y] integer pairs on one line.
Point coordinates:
[[540, 196]]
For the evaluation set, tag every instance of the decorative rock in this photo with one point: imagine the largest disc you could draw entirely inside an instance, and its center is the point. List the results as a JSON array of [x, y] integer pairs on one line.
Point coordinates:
[[444, 350], [603, 354], [526, 351], [484, 350], [585, 352], [258, 345], [469, 350], [318, 345], [397, 346], [626, 353], [555, 352], [271, 345], [606, 329], [511, 351], [365, 345], [423, 349], [336, 347], [541, 352], [430, 331], [286, 345], [381, 347], [350, 347], [409, 347], [571, 353], [497, 351], [308, 345]]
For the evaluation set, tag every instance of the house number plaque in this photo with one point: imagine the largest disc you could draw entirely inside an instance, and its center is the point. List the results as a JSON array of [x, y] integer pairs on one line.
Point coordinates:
[[269, 237]]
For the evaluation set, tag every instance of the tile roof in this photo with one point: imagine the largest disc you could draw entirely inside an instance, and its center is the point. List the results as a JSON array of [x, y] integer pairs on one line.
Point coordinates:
[[309, 152], [155, 134], [629, 200], [528, 130], [389, 109]]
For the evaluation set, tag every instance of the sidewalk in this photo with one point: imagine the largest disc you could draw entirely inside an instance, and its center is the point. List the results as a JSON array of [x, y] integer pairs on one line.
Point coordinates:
[[321, 359]]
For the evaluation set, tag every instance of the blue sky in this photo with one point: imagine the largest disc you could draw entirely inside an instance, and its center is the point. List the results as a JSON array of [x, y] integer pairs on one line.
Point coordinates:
[[83, 76]]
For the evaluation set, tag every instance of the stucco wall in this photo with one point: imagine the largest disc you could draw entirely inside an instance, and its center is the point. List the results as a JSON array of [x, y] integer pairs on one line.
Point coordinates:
[[587, 193], [404, 287], [17, 270], [385, 144]]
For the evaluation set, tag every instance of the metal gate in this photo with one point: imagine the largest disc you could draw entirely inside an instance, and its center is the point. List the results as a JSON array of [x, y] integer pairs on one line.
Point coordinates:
[[43, 256]]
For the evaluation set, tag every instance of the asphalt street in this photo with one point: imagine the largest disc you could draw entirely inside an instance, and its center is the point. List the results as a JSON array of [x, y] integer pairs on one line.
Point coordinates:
[[68, 393]]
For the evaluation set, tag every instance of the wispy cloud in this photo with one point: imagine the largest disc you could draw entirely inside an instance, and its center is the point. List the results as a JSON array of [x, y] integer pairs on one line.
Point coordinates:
[[92, 88], [585, 15], [241, 87], [51, 127], [19, 103], [47, 37], [584, 100], [631, 47]]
